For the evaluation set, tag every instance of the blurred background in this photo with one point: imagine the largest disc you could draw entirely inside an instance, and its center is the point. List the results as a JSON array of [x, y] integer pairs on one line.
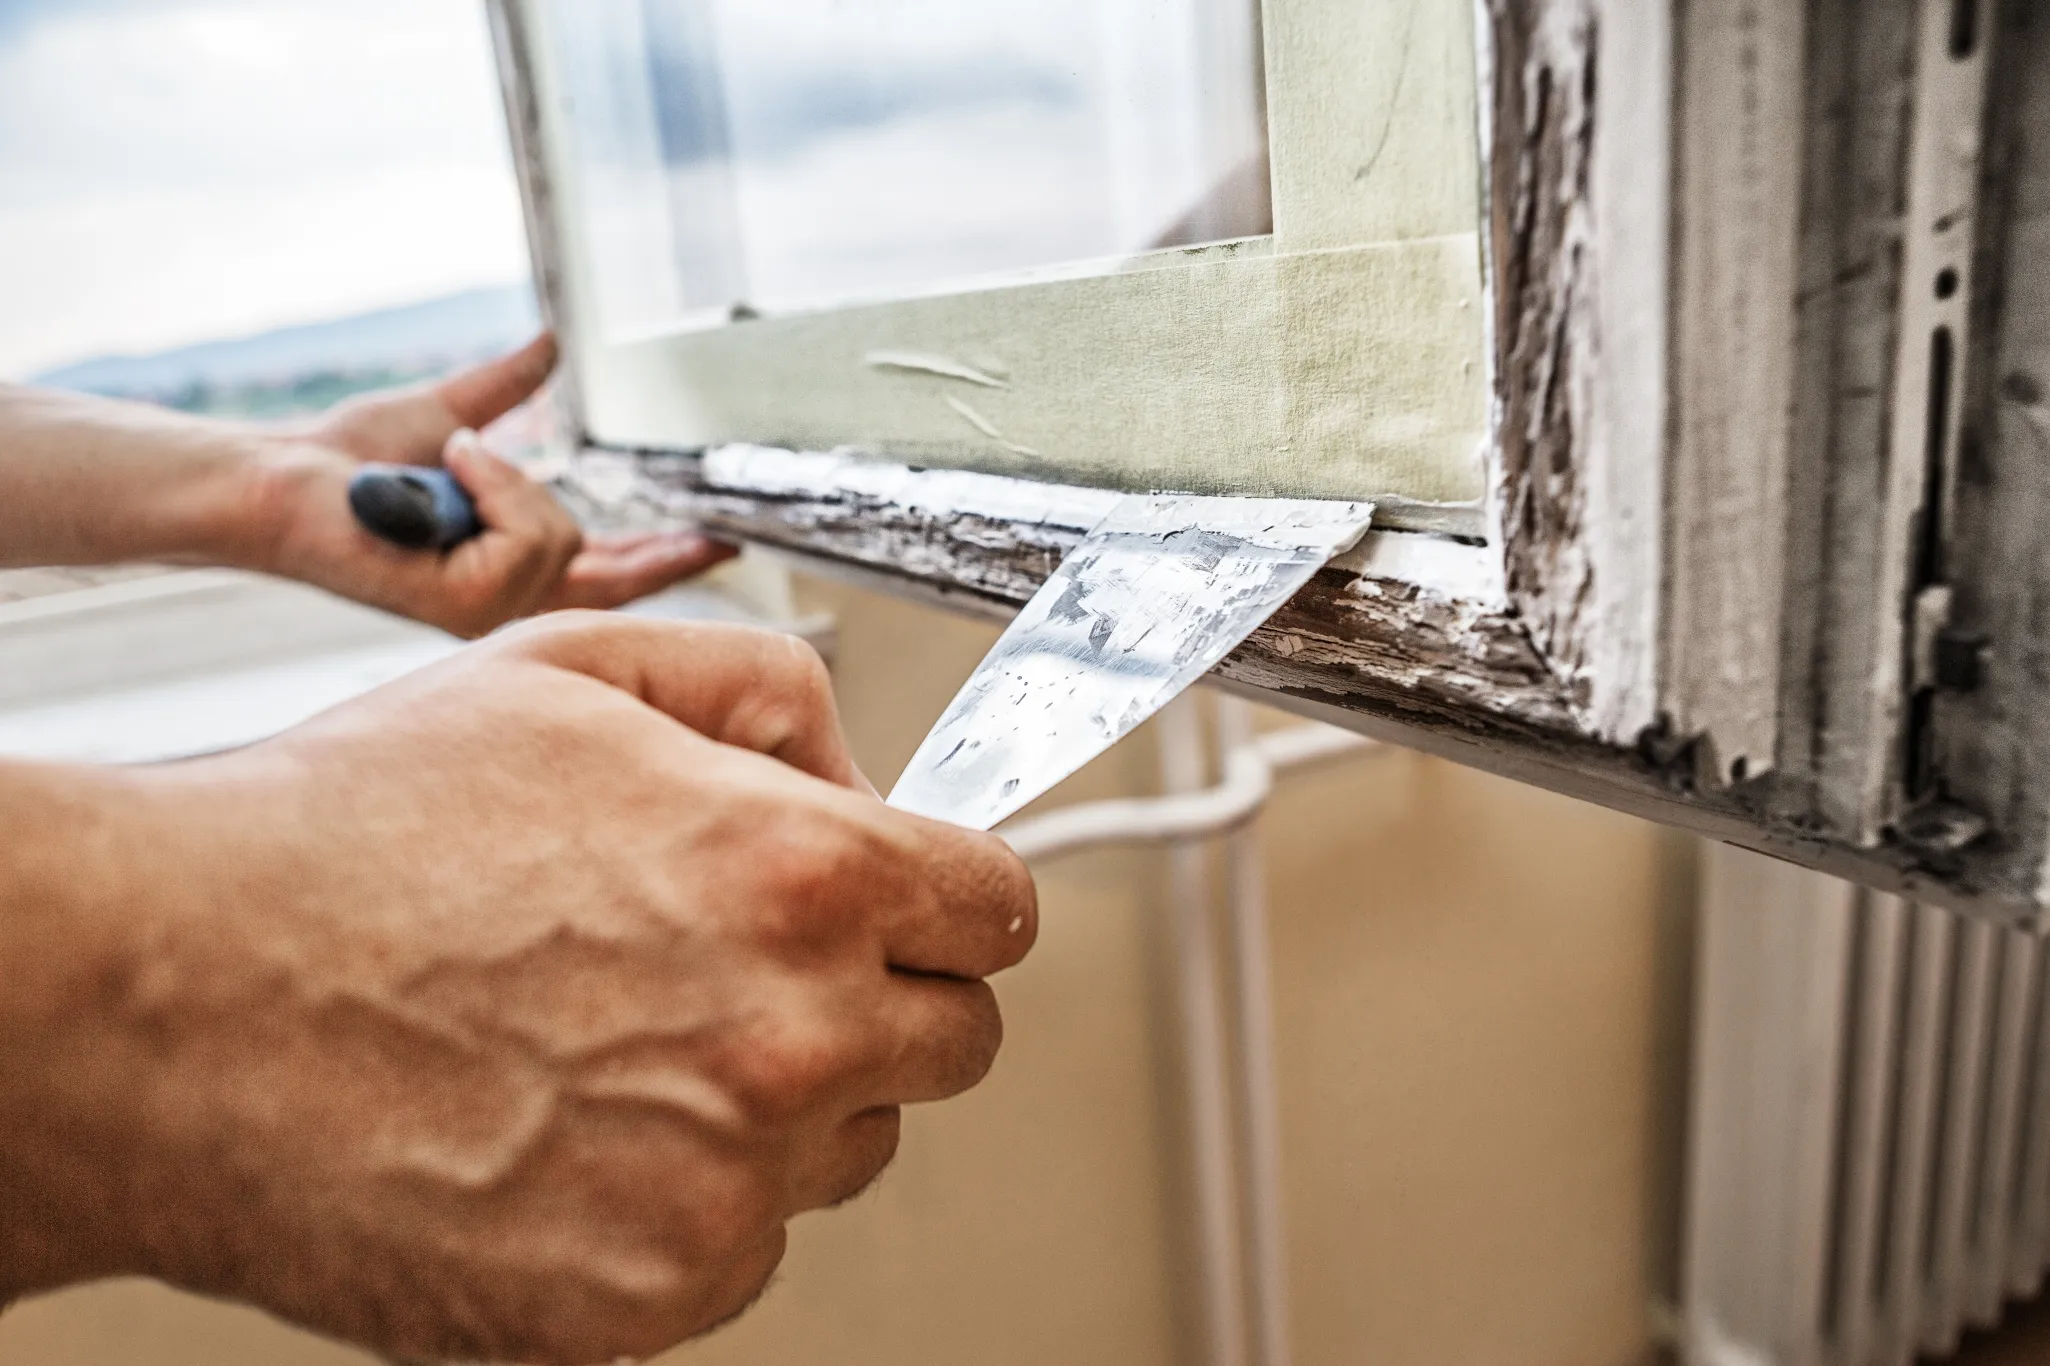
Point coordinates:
[[1483, 993], [252, 207]]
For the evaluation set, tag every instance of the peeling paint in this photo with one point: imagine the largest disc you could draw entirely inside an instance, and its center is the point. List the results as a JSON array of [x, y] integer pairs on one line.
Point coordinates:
[[988, 428], [1153, 599], [912, 362], [771, 472]]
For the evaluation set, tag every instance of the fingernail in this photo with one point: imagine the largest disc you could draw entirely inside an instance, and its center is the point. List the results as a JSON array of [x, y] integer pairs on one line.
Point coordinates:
[[682, 543]]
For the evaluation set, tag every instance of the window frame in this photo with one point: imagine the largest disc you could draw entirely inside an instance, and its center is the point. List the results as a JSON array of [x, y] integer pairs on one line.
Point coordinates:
[[1382, 396], [1686, 599]]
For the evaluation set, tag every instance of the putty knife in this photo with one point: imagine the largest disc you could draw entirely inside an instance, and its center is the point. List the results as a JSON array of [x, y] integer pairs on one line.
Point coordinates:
[[1153, 599]]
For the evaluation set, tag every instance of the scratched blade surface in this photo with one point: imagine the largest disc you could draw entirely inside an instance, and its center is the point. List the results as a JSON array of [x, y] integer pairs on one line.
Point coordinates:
[[1152, 600]]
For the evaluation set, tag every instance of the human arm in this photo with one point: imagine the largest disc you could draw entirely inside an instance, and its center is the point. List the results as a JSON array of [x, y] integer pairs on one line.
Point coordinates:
[[88, 481], [506, 1014]]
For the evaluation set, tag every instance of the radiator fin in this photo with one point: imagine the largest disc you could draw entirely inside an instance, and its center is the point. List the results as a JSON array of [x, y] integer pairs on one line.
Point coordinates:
[[1871, 1102]]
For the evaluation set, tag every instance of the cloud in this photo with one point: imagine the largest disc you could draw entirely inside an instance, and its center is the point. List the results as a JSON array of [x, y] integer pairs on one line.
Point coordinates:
[[172, 170], [176, 96], [18, 16]]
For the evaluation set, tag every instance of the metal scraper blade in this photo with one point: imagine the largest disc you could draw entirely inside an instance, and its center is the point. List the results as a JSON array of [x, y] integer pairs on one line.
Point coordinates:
[[1153, 599]]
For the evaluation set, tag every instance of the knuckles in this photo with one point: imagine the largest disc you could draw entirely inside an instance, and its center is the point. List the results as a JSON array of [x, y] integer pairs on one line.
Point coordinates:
[[819, 883], [793, 698], [872, 1140], [629, 1312], [781, 1074], [733, 1208]]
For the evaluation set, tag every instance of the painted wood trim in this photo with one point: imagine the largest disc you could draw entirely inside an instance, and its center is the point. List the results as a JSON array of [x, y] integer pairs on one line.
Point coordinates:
[[1940, 235], [513, 47], [1578, 152], [1341, 364], [1742, 152], [1859, 104], [1559, 664], [1993, 740], [1350, 373], [1411, 640], [1540, 146], [1375, 628]]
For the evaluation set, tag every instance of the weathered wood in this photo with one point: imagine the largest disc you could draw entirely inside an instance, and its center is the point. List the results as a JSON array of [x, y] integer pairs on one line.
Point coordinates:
[[1578, 156], [1350, 638], [1994, 740], [1653, 611], [513, 45], [1441, 671], [1541, 154], [1740, 145], [1859, 112]]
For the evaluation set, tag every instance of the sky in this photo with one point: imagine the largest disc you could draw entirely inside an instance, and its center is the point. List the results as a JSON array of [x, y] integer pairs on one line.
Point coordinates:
[[181, 170]]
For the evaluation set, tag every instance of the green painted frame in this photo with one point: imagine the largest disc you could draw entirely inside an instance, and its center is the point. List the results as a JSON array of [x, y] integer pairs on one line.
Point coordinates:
[[1342, 357]]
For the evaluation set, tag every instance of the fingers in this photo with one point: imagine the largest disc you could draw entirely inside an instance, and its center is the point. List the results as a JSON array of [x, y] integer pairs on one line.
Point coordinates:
[[746, 1281], [528, 545], [506, 499], [752, 689], [616, 571], [409, 426], [480, 396], [978, 913], [845, 1164], [943, 1037], [939, 1039], [747, 1278], [926, 1040]]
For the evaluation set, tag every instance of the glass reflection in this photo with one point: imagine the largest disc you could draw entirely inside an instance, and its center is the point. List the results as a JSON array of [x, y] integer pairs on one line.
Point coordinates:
[[775, 155]]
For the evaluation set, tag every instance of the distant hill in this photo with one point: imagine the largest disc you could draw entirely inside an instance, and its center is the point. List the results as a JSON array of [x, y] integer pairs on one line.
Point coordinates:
[[422, 338]]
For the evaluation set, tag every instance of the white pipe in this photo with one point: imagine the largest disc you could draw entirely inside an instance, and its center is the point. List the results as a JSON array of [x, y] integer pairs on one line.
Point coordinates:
[[1249, 773], [1206, 1065], [1234, 1112], [1259, 1092]]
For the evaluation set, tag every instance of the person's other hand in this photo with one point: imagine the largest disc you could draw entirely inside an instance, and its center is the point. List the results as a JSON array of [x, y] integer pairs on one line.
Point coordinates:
[[509, 1013], [532, 557]]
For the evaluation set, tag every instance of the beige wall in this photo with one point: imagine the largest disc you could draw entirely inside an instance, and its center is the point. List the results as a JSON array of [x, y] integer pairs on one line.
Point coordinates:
[[1477, 1066]]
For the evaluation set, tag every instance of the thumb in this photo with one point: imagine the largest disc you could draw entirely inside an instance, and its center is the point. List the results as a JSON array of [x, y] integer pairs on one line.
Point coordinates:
[[502, 492], [529, 540], [479, 396]]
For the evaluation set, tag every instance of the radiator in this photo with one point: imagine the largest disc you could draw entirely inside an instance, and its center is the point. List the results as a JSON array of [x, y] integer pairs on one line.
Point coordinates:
[[1869, 1141]]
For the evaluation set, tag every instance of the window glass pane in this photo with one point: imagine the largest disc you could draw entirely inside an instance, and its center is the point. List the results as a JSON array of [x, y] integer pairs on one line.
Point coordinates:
[[778, 155]]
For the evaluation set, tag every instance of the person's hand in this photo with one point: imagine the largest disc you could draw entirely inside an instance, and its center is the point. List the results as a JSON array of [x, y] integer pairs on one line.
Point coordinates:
[[532, 557], [509, 1013]]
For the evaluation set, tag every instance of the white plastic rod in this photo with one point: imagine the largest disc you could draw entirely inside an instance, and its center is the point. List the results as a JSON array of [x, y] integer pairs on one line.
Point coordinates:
[[1234, 1119], [1206, 1065], [1249, 774], [1259, 1092]]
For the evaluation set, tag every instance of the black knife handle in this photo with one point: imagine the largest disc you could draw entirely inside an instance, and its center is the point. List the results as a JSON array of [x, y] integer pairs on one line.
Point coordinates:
[[416, 509]]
